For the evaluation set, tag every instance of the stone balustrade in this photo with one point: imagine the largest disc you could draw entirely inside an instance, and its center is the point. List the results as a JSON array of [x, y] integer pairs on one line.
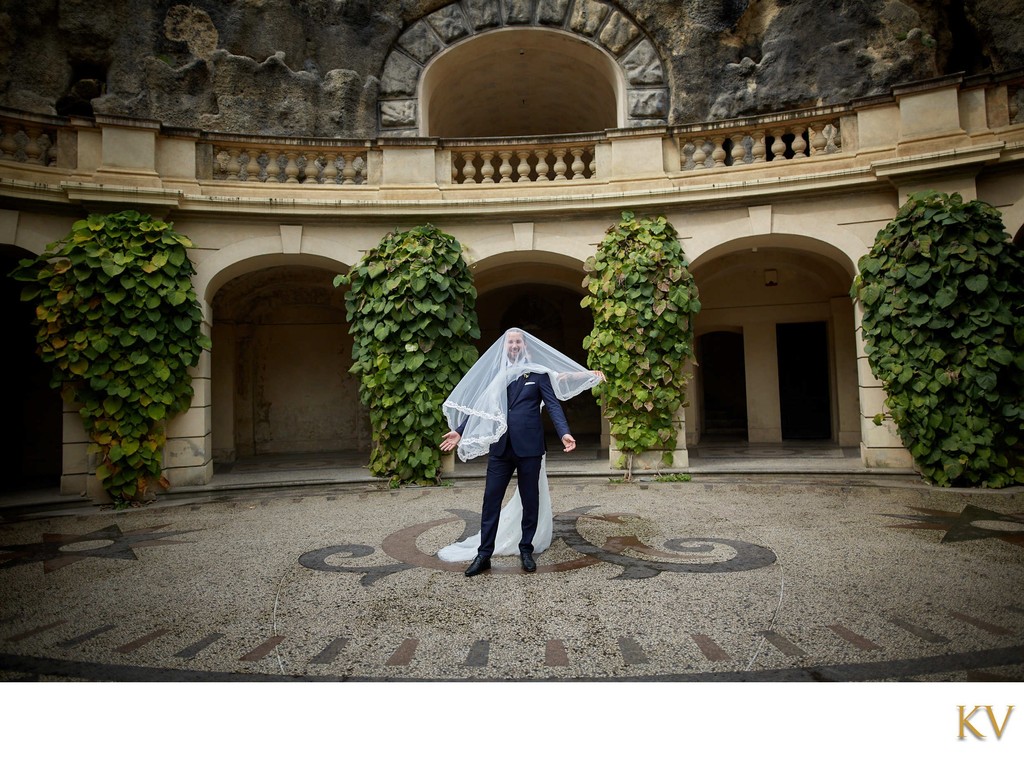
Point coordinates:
[[340, 164], [28, 141], [757, 141], [516, 162], [913, 129]]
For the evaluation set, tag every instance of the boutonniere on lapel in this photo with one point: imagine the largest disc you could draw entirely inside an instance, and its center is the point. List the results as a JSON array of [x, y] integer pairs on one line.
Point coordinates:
[[526, 375]]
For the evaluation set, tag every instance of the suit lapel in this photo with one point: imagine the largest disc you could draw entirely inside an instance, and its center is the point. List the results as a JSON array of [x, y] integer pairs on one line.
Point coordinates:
[[515, 388]]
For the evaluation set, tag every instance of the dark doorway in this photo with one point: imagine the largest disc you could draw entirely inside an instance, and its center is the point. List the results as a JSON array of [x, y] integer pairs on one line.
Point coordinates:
[[803, 380], [34, 418], [724, 384]]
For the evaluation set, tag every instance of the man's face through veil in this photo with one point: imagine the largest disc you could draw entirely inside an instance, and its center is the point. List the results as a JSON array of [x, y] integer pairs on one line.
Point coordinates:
[[515, 347]]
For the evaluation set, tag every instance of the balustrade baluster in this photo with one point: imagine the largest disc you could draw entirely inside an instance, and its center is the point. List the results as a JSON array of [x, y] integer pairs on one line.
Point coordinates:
[[700, 156], [577, 163], [505, 169], [523, 167], [542, 165], [686, 155], [349, 172], [560, 166], [330, 170], [311, 172], [738, 149], [778, 143], [799, 144], [273, 166], [486, 168], [469, 169], [291, 169], [816, 133], [757, 150], [718, 152], [234, 166], [35, 149], [252, 165]]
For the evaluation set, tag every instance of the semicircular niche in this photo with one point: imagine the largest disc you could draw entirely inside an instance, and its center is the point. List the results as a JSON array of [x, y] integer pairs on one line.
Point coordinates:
[[597, 51]]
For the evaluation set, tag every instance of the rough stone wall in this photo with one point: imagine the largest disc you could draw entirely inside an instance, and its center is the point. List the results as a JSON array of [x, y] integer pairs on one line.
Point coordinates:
[[313, 68]]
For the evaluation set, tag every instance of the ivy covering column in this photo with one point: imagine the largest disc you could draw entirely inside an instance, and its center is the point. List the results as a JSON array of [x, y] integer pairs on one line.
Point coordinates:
[[943, 296], [120, 323], [412, 315], [643, 299]]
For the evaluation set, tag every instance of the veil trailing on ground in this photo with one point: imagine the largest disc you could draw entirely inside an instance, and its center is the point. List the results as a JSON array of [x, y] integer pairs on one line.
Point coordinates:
[[480, 401]]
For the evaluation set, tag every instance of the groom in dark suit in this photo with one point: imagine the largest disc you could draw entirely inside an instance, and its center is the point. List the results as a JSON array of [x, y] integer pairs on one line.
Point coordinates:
[[520, 450]]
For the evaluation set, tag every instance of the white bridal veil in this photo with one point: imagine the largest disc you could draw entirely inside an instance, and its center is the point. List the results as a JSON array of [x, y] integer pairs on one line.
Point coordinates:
[[480, 401]]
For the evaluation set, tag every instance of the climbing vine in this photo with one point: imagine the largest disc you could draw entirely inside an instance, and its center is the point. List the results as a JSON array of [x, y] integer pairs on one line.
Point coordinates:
[[412, 314], [643, 299], [943, 296], [119, 322]]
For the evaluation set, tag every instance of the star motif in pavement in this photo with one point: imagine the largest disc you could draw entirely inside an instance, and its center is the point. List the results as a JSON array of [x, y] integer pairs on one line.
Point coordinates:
[[967, 524], [57, 550]]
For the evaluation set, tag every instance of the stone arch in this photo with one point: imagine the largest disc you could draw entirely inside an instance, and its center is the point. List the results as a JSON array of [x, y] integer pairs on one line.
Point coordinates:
[[777, 291], [279, 381], [841, 249], [540, 291], [602, 25], [280, 364], [263, 251]]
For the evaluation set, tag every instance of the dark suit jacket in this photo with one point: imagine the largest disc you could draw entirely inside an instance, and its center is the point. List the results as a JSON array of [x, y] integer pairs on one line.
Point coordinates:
[[525, 431]]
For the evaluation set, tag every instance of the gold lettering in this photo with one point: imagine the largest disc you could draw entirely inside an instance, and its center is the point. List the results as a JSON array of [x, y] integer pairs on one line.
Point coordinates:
[[966, 721], [992, 719]]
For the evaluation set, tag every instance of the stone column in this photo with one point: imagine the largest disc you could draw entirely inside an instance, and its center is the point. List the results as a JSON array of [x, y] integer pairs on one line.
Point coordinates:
[[844, 371], [761, 359], [880, 445], [654, 460], [188, 454]]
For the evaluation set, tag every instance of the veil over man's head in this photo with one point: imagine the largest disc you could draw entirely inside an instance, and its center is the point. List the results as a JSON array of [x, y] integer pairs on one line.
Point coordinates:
[[480, 400]]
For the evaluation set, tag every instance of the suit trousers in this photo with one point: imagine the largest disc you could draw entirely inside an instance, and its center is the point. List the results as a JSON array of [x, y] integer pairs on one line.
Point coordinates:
[[499, 474]]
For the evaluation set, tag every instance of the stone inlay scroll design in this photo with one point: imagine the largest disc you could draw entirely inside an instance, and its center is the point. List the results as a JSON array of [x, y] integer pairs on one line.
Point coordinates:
[[637, 559], [600, 23]]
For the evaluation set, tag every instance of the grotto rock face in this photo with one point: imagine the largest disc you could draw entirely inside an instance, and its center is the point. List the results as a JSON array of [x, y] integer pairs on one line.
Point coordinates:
[[316, 68]]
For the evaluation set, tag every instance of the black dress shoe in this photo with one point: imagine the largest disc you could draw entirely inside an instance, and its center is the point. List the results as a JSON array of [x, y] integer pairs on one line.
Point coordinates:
[[479, 564], [528, 564]]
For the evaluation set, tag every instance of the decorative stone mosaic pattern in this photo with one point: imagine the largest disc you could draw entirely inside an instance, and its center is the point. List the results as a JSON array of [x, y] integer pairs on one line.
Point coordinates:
[[717, 579]]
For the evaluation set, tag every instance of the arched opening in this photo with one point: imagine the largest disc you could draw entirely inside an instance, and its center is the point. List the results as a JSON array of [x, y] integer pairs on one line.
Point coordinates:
[[34, 423], [517, 82], [280, 378], [547, 306], [776, 337]]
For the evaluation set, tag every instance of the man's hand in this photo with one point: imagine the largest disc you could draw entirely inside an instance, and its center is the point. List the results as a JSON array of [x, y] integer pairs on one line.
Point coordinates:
[[450, 441], [569, 442]]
